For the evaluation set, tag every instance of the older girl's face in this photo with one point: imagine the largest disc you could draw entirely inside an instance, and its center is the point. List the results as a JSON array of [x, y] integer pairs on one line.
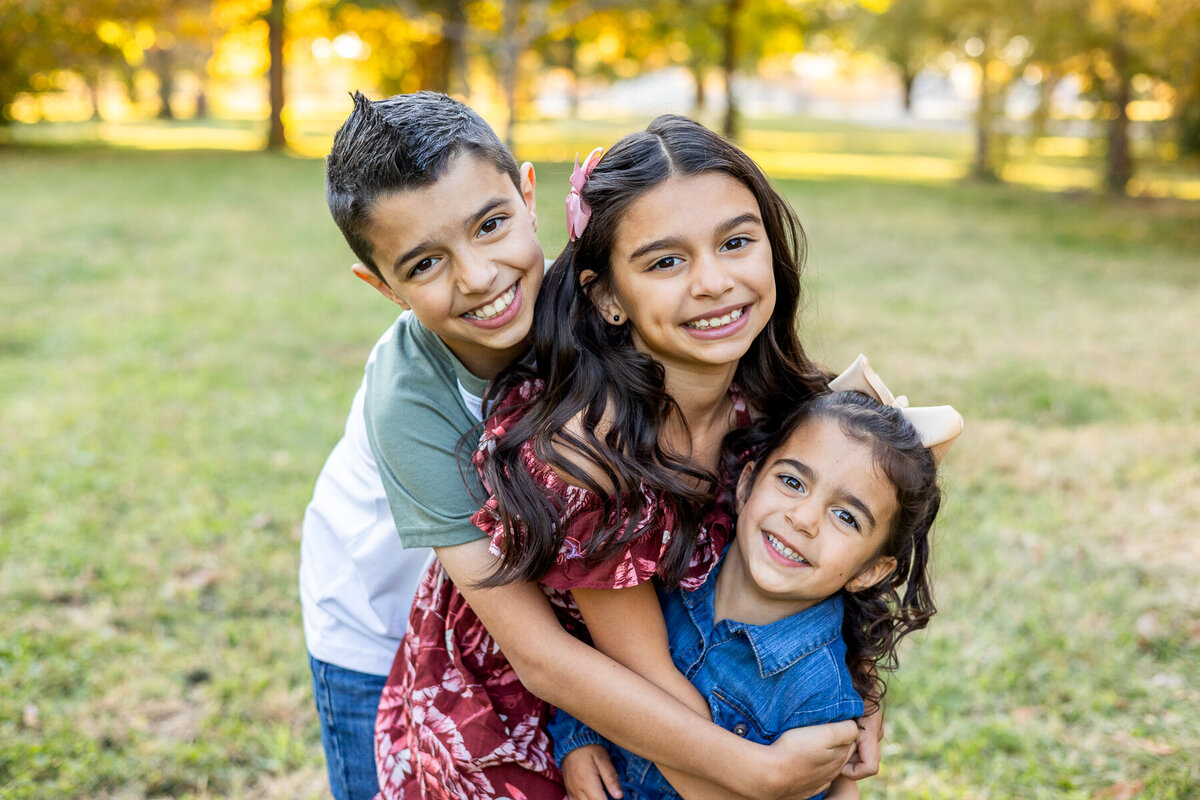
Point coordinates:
[[692, 271]]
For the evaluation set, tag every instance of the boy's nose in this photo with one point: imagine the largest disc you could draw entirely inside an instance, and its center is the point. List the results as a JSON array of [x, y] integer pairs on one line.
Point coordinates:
[[476, 275]]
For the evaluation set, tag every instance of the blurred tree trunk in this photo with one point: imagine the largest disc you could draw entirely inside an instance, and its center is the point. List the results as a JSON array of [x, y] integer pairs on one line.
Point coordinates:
[[456, 52], [1039, 120], [696, 67], [982, 165], [729, 65], [163, 67], [1118, 165], [510, 46], [907, 78], [276, 139]]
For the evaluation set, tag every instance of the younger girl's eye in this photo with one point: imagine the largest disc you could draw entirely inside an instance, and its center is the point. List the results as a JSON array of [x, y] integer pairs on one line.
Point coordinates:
[[736, 243], [847, 518], [666, 262], [490, 225]]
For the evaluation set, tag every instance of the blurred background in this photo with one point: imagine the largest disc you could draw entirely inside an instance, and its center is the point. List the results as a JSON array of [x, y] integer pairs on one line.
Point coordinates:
[[1002, 207], [1061, 93]]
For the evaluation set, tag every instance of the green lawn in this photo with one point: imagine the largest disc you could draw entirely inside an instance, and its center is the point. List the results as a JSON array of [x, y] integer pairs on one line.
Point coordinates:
[[180, 337]]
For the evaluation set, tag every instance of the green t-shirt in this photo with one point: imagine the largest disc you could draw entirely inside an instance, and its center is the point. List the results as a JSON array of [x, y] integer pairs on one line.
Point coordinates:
[[416, 416]]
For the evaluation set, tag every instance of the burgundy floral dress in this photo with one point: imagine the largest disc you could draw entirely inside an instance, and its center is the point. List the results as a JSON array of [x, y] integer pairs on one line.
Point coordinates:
[[454, 721]]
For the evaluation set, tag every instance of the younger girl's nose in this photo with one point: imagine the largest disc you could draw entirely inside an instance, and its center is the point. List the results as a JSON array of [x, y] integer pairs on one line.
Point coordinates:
[[803, 516]]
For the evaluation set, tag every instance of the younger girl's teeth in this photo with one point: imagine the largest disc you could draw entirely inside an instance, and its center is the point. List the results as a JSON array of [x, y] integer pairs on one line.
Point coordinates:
[[785, 551], [716, 322]]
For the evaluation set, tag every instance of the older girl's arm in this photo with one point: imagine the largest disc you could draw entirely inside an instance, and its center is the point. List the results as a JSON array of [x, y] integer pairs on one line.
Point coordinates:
[[627, 626], [628, 709]]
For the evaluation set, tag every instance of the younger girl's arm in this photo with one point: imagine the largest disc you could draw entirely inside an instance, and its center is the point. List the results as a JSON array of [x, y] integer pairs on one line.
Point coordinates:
[[618, 703], [627, 625]]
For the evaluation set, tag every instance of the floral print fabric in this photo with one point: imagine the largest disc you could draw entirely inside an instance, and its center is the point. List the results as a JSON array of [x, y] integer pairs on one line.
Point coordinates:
[[454, 721]]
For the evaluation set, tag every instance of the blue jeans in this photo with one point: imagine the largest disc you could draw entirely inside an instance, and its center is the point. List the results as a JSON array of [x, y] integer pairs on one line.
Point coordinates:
[[347, 702]]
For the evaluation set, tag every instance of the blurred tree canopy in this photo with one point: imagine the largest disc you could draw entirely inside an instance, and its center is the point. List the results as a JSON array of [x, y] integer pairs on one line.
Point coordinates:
[[1118, 52]]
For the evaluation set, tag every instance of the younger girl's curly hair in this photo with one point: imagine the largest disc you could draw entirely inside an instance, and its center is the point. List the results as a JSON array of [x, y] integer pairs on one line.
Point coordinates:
[[878, 617]]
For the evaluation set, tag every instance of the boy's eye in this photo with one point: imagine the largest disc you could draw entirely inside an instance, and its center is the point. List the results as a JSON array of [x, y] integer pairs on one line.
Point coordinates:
[[424, 265], [666, 262], [847, 518], [736, 243], [491, 224]]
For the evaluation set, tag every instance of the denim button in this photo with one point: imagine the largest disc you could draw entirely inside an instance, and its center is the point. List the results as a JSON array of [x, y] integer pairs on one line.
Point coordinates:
[[740, 729]]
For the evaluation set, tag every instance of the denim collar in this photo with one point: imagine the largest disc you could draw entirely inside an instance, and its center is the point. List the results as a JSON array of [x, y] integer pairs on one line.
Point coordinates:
[[778, 645]]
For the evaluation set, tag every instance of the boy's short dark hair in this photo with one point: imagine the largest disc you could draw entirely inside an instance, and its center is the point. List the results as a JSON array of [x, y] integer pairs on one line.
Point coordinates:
[[398, 144]]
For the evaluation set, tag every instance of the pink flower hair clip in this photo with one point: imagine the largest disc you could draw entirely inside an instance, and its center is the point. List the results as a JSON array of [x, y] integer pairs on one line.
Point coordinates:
[[578, 212]]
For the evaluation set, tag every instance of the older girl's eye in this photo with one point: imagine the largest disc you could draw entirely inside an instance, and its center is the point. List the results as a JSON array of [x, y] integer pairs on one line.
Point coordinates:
[[847, 518], [666, 262], [490, 225], [792, 482], [736, 243]]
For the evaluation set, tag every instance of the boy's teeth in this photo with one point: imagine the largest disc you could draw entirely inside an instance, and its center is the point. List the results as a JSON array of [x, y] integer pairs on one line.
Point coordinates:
[[785, 551], [716, 322], [495, 307]]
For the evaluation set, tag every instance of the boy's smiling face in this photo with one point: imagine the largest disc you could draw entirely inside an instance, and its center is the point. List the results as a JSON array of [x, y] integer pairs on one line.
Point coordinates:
[[463, 254]]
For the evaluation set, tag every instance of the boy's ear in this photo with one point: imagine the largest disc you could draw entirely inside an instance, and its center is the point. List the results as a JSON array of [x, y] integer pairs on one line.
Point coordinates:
[[610, 308], [364, 274], [528, 184], [872, 574], [745, 483]]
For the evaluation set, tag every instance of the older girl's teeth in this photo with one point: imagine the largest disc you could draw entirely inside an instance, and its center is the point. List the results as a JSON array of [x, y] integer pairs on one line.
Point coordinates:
[[495, 307], [785, 551], [716, 322]]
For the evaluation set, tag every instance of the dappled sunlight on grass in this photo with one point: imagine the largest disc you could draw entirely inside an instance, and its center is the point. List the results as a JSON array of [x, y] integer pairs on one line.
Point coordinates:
[[918, 169], [796, 148]]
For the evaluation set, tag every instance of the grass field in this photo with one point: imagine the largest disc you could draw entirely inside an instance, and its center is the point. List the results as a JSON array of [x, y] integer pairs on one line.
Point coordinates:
[[180, 337]]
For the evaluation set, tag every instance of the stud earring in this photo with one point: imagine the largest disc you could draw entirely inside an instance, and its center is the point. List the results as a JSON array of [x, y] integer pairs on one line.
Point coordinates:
[[616, 317]]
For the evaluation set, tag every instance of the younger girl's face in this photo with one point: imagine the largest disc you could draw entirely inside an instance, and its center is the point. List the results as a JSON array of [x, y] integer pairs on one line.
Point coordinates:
[[692, 271], [812, 517]]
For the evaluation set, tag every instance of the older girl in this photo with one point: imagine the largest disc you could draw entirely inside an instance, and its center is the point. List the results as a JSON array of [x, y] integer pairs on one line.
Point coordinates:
[[667, 323]]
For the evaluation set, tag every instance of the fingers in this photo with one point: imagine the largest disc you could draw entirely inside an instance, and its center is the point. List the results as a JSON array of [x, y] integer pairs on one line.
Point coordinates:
[[587, 772], [608, 775]]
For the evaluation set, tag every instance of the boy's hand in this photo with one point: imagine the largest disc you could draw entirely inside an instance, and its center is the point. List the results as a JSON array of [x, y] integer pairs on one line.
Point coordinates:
[[588, 771], [864, 762]]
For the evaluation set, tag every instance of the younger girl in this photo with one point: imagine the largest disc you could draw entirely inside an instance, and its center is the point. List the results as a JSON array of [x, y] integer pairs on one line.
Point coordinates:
[[832, 537], [668, 320]]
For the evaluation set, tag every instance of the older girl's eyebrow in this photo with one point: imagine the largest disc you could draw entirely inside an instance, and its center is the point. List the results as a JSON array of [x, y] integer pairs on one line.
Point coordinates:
[[658, 244], [742, 219]]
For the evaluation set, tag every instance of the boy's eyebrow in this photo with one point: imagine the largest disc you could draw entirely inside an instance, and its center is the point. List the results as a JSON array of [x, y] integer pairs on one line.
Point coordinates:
[[674, 241], [469, 220], [850, 499]]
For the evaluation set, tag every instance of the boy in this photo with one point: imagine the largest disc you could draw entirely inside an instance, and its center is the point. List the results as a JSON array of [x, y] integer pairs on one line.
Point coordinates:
[[444, 224], [422, 390]]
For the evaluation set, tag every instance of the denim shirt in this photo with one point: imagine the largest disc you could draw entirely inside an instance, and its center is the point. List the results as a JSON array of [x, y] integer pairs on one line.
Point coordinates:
[[759, 680]]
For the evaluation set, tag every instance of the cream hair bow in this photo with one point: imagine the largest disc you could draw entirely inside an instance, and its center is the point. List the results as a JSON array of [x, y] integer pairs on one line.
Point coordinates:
[[938, 426]]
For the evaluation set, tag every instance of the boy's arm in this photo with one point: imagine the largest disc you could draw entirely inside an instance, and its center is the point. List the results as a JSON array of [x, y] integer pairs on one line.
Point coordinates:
[[627, 625], [615, 701]]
